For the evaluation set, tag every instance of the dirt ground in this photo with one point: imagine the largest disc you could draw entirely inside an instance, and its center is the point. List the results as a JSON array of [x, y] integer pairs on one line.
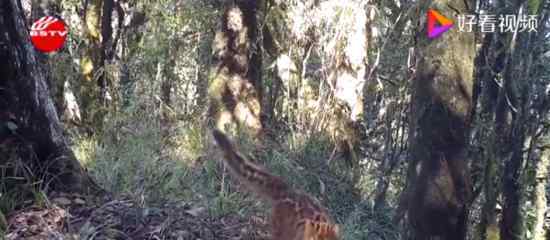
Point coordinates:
[[73, 216]]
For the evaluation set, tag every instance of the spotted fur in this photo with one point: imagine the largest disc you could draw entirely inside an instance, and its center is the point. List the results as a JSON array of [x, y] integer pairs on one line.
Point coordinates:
[[295, 215]]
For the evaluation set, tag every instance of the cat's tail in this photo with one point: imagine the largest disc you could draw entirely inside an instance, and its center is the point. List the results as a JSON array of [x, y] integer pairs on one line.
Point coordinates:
[[255, 177]]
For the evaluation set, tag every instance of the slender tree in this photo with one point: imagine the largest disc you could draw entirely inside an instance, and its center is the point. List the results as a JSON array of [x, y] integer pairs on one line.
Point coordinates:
[[93, 88], [539, 196], [106, 47], [520, 108]]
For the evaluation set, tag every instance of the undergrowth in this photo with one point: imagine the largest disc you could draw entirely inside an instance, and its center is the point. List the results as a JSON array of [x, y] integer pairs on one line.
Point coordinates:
[[19, 187], [154, 164]]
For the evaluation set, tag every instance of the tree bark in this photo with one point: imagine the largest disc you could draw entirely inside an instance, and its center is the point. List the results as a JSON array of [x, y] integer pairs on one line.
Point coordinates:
[[510, 118], [106, 47], [520, 112], [25, 96], [235, 91], [539, 196], [488, 227], [203, 58], [441, 114], [90, 66]]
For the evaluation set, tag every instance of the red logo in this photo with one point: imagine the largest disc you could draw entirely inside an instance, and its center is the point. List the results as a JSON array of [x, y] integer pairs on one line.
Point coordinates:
[[48, 34]]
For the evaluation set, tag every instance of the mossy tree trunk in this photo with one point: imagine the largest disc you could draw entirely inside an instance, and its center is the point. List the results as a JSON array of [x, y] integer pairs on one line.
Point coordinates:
[[89, 62], [203, 58], [506, 108], [93, 89], [28, 108], [106, 48], [441, 114], [539, 195], [491, 52], [514, 123], [235, 89], [348, 73]]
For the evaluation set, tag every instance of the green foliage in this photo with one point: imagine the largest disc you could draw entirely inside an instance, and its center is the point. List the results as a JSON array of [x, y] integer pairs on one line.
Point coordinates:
[[366, 223], [18, 185], [137, 162], [157, 150], [134, 158], [534, 6]]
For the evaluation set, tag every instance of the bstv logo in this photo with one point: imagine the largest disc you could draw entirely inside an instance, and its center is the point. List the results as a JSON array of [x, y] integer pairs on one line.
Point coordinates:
[[48, 34], [437, 24]]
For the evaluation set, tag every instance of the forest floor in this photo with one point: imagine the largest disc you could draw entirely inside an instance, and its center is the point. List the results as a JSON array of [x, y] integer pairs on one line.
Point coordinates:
[[73, 216]]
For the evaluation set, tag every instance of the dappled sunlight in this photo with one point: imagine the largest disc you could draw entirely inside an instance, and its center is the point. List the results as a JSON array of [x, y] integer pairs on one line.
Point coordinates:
[[190, 146], [85, 150], [346, 119]]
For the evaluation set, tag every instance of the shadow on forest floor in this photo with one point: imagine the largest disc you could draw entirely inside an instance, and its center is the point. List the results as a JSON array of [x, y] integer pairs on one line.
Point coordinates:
[[71, 216]]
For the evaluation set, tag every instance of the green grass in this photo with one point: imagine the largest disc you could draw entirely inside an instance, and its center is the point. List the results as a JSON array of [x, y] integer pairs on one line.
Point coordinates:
[[134, 158], [19, 188]]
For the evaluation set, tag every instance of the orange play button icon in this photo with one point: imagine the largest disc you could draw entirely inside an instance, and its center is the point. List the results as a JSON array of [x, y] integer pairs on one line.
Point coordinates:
[[437, 24]]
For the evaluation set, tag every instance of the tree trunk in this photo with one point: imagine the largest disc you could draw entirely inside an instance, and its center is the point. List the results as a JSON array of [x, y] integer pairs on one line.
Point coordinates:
[[203, 60], [236, 80], [509, 124], [488, 227], [106, 48], [250, 12], [520, 106], [25, 97], [539, 196], [91, 67], [441, 112]]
